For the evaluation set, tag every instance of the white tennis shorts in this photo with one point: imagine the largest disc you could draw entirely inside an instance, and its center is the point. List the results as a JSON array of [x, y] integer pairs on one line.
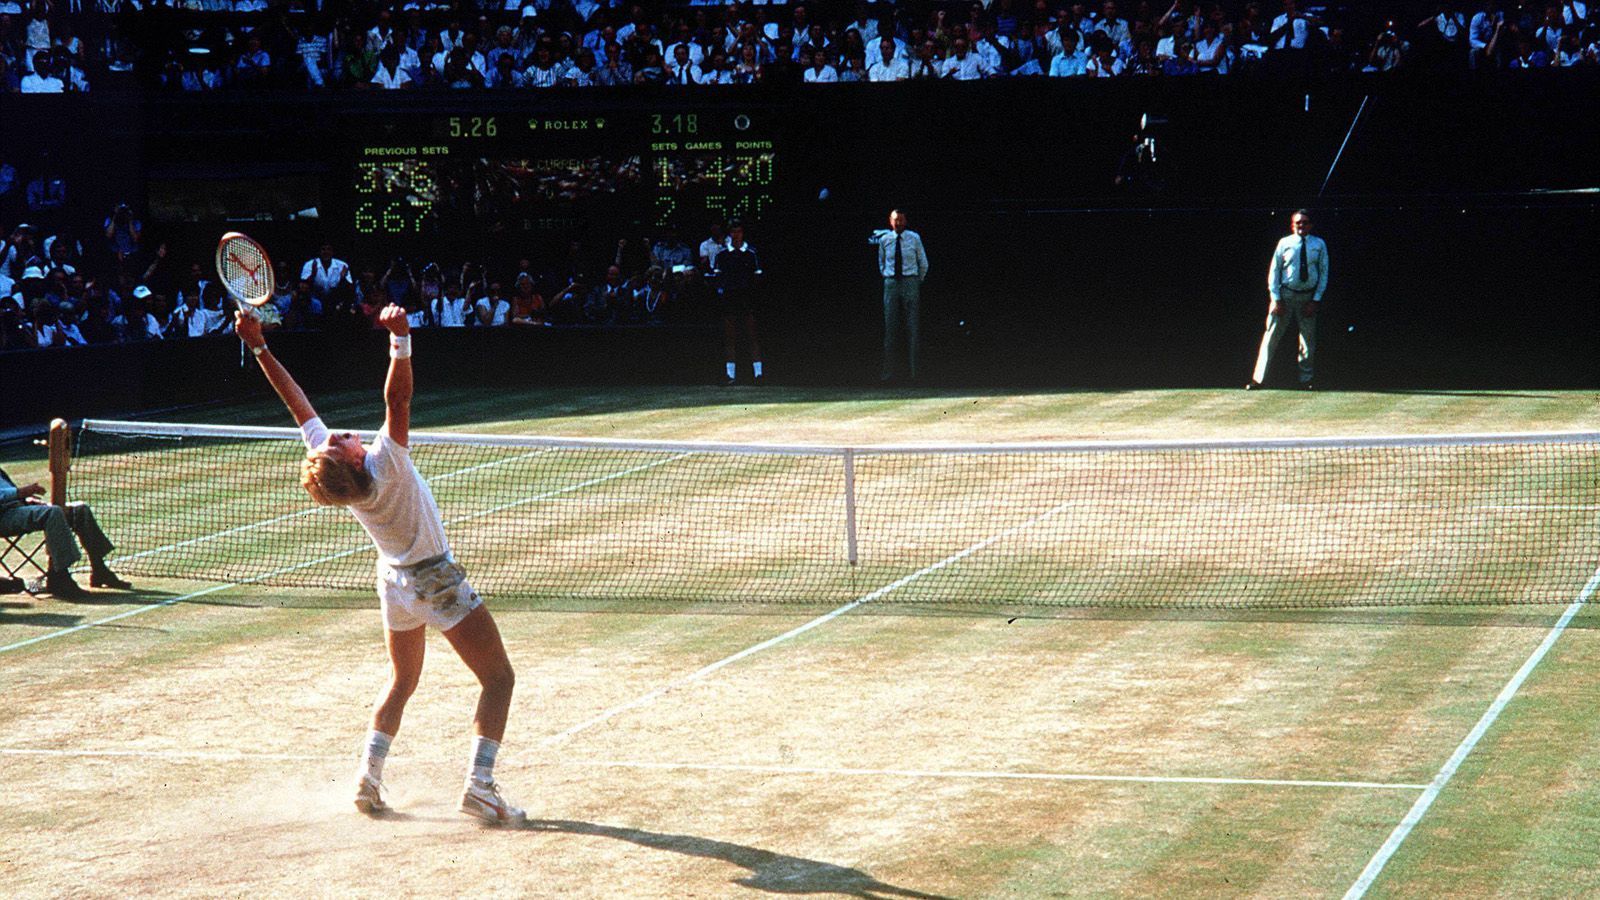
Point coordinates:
[[434, 592]]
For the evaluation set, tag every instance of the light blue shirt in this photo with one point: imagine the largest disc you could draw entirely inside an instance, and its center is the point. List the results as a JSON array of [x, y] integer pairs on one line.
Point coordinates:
[[1285, 272], [913, 258], [1068, 64]]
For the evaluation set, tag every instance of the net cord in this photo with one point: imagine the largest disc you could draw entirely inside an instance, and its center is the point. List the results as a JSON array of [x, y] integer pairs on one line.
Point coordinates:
[[247, 432]]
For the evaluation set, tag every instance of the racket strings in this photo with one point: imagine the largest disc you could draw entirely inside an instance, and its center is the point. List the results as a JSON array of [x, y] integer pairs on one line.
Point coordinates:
[[245, 270]]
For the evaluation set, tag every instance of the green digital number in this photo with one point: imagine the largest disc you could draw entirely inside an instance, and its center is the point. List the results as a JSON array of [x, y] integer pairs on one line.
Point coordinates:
[[665, 207], [473, 126], [369, 177], [681, 123]]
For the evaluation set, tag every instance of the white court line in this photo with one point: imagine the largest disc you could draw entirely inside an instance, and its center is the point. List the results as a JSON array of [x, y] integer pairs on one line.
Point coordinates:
[[820, 620], [240, 529], [1420, 808], [982, 775], [109, 619], [936, 774], [306, 565]]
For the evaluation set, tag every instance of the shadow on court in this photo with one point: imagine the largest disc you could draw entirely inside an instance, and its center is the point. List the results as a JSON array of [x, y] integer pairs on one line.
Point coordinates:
[[111, 598], [775, 873], [23, 613]]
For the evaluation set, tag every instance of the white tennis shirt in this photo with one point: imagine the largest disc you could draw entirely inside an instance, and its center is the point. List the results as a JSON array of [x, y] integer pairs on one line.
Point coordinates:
[[401, 516]]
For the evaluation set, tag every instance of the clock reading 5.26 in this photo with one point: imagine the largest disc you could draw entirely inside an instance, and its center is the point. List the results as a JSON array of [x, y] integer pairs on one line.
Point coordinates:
[[395, 196]]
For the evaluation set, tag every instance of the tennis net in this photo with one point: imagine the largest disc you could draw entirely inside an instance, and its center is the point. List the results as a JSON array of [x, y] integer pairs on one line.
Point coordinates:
[[1317, 522]]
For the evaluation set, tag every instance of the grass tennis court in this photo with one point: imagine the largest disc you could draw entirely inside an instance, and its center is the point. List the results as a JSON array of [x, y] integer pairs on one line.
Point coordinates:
[[203, 743]]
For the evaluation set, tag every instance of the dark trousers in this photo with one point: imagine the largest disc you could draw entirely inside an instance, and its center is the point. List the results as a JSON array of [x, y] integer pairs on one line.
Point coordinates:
[[59, 524], [902, 312]]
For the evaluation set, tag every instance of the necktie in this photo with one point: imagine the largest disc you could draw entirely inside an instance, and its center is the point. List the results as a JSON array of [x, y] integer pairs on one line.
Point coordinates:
[[898, 271], [1301, 275]]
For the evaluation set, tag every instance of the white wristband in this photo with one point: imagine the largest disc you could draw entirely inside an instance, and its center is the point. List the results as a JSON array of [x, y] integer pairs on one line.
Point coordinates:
[[400, 346]]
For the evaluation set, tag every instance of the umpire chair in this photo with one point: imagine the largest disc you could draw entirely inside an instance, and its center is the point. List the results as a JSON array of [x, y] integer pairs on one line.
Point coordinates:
[[22, 556]]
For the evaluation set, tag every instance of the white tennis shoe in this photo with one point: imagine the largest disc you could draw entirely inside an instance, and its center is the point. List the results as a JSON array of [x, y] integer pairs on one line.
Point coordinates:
[[483, 800], [369, 796]]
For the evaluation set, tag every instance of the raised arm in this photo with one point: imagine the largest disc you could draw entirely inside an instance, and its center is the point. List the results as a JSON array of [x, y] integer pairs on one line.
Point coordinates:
[[249, 330], [397, 389]]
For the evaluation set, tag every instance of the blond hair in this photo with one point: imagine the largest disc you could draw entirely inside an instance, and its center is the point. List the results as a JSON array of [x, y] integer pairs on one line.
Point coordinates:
[[333, 482]]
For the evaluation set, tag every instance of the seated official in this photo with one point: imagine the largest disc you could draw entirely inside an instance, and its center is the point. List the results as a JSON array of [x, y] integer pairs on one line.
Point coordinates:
[[21, 512]]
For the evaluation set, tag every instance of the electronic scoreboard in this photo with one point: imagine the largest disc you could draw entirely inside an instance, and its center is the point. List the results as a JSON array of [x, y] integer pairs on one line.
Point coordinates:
[[467, 177]]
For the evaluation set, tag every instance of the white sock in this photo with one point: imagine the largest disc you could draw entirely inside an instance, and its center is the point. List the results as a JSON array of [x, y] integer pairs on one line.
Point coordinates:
[[732, 370], [376, 751], [483, 753], [758, 368]]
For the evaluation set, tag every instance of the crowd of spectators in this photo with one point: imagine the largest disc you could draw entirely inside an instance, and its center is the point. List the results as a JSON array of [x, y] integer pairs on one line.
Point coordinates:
[[63, 287], [205, 45]]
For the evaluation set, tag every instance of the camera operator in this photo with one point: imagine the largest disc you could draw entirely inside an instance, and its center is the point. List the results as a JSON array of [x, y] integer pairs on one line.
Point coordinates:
[[1388, 51], [123, 233]]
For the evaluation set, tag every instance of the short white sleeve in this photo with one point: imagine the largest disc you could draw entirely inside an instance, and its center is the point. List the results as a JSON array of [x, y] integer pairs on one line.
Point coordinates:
[[385, 458], [314, 432], [401, 515]]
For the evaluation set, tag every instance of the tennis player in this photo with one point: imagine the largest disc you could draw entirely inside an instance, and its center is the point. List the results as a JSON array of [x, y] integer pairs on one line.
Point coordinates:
[[419, 581]]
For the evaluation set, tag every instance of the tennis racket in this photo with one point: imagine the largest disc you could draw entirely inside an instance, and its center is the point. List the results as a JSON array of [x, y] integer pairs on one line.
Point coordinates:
[[245, 270], [246, 273]]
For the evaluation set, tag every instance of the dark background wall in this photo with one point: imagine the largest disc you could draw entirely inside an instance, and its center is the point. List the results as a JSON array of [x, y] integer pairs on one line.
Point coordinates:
[[1461, 219]]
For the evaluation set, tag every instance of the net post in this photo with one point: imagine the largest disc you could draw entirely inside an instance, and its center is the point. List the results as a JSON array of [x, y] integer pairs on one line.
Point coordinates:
[[60, 444], [850, 505]]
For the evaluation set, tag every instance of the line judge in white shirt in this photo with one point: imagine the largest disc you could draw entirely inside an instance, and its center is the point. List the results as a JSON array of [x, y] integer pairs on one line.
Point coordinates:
[[1296, 280], [903, 263]]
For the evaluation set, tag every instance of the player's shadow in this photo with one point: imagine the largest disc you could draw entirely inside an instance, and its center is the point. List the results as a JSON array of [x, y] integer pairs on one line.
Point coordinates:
[[775, 873]]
